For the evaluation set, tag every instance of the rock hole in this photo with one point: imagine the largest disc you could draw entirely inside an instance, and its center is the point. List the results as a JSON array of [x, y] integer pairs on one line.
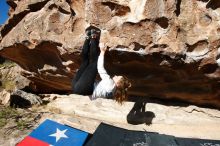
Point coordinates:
[[72, 12], [52, 6], [209, 68], [117, 10], [204, 0], [163, 22], [60, 9], [218, 30], [37, 6], [121, 46], [2, 59], [177, 11], [200, 45], [68, 1], [178, 31], [12, 4], [213, 4], [129, 23], [218, 56], [205, 20], [136, 46], [159, 46]]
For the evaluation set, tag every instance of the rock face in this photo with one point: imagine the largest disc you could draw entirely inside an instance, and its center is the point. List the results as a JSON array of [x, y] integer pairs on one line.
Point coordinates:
[[144, 116], [23, 99], [168, 48], [11, 78]]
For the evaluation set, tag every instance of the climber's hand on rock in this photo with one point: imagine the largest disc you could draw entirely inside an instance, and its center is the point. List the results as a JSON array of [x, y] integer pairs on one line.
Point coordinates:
[[102, 47]]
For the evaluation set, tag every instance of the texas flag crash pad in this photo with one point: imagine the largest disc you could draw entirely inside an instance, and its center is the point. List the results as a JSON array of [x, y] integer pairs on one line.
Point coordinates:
[[51, 133]]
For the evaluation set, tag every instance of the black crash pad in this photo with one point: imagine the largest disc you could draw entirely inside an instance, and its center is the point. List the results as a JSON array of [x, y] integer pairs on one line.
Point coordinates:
[[107, 135]]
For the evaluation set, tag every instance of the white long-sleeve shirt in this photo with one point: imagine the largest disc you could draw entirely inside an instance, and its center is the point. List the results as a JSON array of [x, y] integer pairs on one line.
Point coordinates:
[[106, 87]]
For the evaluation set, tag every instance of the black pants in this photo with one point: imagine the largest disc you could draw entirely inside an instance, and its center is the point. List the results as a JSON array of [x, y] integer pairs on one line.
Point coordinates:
[[83, 82]]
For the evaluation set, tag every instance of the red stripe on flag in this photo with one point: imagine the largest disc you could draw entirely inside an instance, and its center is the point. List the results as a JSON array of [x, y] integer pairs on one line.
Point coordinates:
[[30, 141]]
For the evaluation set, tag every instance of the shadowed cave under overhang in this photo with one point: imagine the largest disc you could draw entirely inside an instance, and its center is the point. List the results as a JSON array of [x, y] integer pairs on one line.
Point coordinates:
[[154, 75]]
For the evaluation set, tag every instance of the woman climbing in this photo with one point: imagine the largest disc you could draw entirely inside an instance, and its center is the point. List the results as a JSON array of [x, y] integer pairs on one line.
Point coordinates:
[[84, 81]]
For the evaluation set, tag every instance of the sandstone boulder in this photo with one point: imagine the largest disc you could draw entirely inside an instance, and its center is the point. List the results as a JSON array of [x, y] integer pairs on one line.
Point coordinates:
[[173, 120], [169, 49], [11, 78], [4, 97], [22, 99]]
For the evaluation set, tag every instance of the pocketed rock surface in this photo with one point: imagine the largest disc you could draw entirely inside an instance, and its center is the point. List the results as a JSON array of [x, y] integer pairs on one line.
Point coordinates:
[[168, 49]]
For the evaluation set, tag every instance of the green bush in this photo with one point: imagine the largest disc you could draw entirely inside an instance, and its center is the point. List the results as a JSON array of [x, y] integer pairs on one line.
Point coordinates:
[[8, 85]]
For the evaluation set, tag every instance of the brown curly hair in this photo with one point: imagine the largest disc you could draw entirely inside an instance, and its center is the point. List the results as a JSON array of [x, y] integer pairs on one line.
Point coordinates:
[[120, 93]]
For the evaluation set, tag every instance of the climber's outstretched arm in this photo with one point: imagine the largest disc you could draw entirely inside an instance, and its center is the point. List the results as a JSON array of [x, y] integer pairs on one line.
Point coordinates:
[[101, 70]]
